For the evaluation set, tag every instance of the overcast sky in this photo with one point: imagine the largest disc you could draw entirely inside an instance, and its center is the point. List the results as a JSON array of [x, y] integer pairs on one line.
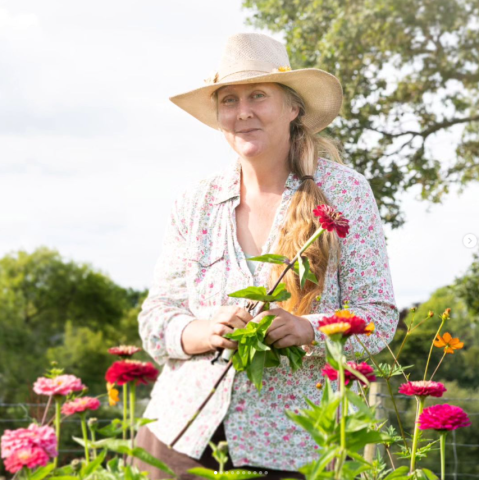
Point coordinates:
[[92, 153]]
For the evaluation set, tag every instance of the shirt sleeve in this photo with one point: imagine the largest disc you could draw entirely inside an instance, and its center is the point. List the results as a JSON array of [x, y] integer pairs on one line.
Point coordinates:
[[364, 277], [165, 313]]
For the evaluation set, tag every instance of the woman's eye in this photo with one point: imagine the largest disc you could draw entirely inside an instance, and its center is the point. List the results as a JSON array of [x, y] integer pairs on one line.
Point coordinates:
[[228, 100], [258, 95]]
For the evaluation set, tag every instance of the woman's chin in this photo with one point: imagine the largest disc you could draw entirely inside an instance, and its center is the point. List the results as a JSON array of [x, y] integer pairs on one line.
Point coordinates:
[[249, 150]]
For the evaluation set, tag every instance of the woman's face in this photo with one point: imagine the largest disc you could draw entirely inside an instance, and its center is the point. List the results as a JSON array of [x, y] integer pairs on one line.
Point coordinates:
[[255, 118]]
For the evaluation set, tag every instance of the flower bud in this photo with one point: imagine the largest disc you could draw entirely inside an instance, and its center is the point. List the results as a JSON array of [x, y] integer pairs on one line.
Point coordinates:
[[413, 309], [447, 314], [222, 447], [319, 385], [430, 314], [92, 421]]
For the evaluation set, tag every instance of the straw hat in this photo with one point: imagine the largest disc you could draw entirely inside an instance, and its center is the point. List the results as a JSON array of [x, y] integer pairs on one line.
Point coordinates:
[[257, 58]]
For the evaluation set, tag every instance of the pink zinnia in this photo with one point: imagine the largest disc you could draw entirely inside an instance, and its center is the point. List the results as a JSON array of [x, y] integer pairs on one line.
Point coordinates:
[[423, 388], [80, 405], [33, 436], [30, 457], [124, 350], [61, 385], [443, 418], [331, 220], [363, 368], [125, 371]]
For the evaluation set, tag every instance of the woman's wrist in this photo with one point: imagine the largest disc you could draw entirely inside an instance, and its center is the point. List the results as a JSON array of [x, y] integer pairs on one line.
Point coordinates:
[[195, 338], [307, 336]]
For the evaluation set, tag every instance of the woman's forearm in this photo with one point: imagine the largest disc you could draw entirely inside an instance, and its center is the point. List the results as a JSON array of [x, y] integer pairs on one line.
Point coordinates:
[[195, 338]]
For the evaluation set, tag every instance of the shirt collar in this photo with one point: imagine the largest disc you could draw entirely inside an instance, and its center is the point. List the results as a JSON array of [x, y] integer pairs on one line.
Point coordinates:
[[230, 183]]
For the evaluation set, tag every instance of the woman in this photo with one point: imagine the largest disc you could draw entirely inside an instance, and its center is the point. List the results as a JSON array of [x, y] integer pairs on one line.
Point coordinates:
[[261, 204]]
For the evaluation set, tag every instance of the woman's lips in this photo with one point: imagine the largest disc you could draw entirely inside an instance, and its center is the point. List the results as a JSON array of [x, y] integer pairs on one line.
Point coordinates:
[[249, 130]]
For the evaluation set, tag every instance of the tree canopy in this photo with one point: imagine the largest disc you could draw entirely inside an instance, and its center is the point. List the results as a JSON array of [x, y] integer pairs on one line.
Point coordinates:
[[53, 309], [410, 72]]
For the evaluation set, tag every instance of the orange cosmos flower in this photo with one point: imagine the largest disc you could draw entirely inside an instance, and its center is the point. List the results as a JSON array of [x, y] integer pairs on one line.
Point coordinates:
[[113, 394], [450, 344]]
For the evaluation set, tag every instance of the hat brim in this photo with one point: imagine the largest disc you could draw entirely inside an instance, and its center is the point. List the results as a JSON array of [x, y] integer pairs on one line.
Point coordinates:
[[322, 94]]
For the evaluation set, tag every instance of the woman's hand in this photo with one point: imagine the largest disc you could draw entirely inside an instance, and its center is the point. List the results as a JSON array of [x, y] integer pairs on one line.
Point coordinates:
[[287, 329], [225, 321]]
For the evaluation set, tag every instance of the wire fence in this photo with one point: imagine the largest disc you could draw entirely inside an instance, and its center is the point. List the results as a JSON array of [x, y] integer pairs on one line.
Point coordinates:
[[456, 464], [13, 418]]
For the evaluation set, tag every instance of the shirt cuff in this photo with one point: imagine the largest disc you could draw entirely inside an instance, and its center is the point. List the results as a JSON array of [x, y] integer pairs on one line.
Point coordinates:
[[173, 334], [318, 346]]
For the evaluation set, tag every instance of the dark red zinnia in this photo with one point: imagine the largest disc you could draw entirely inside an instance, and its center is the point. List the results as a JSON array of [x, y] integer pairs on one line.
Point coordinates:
[[331, 220], [124, 350], [423, 388], [443, 418], [125, 371], [363, 368]]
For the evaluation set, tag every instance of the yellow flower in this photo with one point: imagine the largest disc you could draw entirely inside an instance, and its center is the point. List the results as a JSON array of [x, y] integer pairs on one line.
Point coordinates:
[[369, 329], [284, 68], [450, 344], [334, 328], [113, 394]]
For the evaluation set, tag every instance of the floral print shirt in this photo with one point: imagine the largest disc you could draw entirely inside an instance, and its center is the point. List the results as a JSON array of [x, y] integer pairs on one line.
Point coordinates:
[[200, 263]]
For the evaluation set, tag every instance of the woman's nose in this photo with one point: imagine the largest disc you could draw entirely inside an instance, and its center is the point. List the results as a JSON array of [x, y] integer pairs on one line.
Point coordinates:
[[244, 110]]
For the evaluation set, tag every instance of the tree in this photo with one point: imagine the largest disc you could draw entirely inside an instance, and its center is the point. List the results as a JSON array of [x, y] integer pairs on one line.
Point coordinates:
[[410, 72], [51, 309]]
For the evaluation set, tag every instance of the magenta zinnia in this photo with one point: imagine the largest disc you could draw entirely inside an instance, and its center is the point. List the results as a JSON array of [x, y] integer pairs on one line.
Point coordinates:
[[344, 322], [125, 371], [363, 368], [30, 457], [423, 388], [331, 220], [80, 405], [443, 418], [61, 385], [124, 350], [43, 437]]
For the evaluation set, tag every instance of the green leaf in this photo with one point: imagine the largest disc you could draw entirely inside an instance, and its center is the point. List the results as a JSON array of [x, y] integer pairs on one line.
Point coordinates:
[[63, 477], [271, 258], [357, 374], [146, 457], [272, 358], [334, 354], [256, 369], [309, 275], [264, 324], [42, 472], [230, 474], [430, 475], [400, 473], [93, 465]]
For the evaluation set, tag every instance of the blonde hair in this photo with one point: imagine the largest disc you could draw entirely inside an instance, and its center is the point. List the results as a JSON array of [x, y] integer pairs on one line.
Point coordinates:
[[300, 223]]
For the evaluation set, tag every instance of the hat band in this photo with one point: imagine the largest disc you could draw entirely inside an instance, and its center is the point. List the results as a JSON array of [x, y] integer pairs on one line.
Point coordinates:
[[257, 72]]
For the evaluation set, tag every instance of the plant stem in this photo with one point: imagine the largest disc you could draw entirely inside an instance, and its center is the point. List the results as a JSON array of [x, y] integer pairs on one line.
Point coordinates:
[[46, 409], [342, 421], [125, 408], [93, 440], [388, 383], [132, 414], [432, 346], [58, 412], [438, 365], [420, 408], [200, 408], [85, 438], [442, 444]]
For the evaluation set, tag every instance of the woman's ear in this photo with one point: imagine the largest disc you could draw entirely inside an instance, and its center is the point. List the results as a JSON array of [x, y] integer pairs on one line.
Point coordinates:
[[294, 112]]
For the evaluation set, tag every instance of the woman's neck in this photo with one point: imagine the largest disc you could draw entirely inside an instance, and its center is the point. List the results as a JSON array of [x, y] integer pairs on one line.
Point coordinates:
[[264, 175]]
